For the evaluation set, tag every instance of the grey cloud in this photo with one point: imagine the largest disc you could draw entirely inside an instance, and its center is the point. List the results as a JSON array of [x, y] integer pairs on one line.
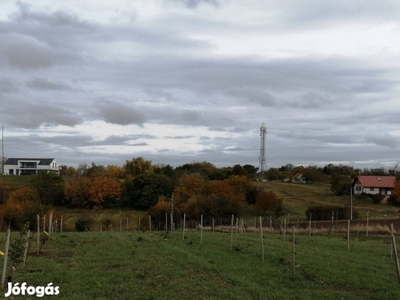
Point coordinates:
[[116, 113], [312, 100], [57, 19], [384, 140], [7, 86], [35, 115], [254, 95], [26, 52], [195, 3], [44, 84]]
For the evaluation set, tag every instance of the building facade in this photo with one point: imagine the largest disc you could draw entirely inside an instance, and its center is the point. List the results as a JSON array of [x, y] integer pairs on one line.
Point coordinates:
[[29, 166], [374, 185]]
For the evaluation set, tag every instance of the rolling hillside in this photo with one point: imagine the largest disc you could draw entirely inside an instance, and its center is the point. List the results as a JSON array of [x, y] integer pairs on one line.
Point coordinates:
[[298, 197]]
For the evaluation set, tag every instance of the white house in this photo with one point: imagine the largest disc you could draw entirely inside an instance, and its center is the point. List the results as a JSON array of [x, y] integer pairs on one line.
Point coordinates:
[[28, 166], [375, 185]]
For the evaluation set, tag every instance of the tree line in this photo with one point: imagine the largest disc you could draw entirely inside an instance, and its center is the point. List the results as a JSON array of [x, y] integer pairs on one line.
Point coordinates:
[[197, 188]]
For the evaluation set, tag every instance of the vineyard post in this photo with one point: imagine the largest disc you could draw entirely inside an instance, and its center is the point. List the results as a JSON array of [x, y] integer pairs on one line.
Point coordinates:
[[262, 242]]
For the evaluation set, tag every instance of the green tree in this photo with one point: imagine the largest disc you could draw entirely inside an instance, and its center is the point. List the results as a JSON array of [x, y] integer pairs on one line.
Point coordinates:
[[340, 185], [143, 191], [138, 166], [50, 187]]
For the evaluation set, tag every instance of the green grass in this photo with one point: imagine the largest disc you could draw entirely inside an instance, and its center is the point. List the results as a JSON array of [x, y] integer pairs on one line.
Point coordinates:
[[15, 181], [298, 197], [133, 265]]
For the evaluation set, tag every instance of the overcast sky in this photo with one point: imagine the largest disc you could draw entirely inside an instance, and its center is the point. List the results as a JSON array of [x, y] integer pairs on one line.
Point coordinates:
[[179, 81]]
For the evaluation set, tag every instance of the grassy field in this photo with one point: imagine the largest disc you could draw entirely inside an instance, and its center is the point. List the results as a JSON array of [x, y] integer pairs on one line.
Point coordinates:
[[298, 197], [152, 265]]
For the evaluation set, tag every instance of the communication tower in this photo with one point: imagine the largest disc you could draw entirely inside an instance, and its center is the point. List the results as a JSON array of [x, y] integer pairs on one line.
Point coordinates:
[[263, 156]]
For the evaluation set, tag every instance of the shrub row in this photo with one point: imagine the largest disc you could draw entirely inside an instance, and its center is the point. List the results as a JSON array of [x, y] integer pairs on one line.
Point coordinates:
[[324, 212]]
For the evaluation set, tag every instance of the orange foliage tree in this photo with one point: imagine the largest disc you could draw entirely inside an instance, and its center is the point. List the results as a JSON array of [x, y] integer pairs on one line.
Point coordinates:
[[104, 192], [21, 207], [97, 192], [77, 192], [195, 196], [269, 203]]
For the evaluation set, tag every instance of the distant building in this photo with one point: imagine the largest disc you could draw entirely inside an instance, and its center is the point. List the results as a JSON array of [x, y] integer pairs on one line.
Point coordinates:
[[298, 178], [374, 185], [28, 166]]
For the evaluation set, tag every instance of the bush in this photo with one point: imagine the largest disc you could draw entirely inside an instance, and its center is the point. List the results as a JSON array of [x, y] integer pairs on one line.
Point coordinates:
[[83, 223], [107, 223], [324, 212]]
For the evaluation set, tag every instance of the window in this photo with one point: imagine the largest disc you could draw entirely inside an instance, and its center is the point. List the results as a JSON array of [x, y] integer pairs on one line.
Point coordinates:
[[372, 189]]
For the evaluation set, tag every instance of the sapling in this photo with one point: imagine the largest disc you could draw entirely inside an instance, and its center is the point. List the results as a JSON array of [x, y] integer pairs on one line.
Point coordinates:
[[17, 246]]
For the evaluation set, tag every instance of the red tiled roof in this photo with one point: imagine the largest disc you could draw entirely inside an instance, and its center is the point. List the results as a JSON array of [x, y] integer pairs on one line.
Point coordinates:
[[377, 181]]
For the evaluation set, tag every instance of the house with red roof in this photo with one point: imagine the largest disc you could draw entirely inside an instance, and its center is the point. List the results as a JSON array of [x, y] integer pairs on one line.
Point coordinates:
[[374, 185]]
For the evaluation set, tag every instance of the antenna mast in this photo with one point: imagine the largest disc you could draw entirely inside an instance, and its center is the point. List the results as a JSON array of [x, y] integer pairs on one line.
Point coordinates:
[[263, 157]]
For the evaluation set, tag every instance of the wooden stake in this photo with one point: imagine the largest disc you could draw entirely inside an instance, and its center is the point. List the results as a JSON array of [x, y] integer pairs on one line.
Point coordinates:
[[201, 230], [284, 229], [149, 223], [26, 247], [294, 251], [183, 228], [237, 224], [396, 257], [61, 224], [232, 231], [391, 234], [262, 240], [3, 275], [50, 224], [127, 224], [213, 225], [166, 222], [309, 225], [367, 222], [38, 235], [120, 225], [139, 223], [348, 235]]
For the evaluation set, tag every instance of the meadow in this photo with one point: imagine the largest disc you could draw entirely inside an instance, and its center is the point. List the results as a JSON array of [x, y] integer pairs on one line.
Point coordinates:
[[298, 197], [159, 265]]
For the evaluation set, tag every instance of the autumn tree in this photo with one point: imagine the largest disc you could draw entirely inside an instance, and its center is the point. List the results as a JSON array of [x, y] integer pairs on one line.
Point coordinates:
[[196, 196], [268, 203], [22, 206], [162, 207], [77, 192], [104, 192], [138, 166], [114, 171], [395, 197], [242, 184], [188, 189]]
